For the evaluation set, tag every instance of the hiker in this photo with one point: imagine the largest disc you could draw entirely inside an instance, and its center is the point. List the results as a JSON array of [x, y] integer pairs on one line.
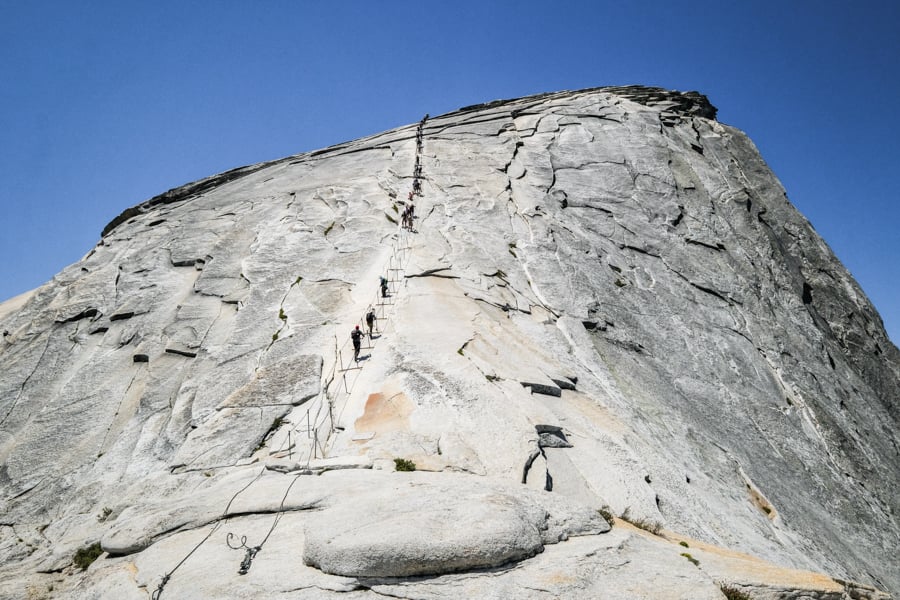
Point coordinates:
[[407, 219], [370, 321], [384, 287], [356, 336]]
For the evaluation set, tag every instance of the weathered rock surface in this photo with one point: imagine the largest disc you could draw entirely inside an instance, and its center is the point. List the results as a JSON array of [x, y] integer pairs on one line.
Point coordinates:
[[415, 525], [609, 302]]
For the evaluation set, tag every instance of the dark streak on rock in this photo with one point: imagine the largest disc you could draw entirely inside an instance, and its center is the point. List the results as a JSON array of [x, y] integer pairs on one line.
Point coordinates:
[[530, 461], [503, 307], [191, 262], [563, 384], [88, 313], [639, 250], [718, 247], [541, 388], [433, 273], [711, 292], [186, 353]]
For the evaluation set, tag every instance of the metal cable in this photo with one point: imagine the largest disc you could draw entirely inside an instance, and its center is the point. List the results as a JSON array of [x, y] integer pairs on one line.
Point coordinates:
[[252, 551], [162, 584]]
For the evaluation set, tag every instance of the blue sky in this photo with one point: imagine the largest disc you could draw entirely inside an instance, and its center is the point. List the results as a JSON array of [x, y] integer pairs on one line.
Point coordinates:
[[104, 104]]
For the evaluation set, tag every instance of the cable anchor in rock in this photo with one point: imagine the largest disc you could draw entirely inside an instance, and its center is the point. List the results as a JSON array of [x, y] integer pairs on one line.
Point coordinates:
[[249, 555]]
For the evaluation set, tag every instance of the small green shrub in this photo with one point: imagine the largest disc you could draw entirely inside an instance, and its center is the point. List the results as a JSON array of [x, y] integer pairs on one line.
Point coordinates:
[[683, 543], [693, 560], [606, 513], [85, 556], [651, 526], [329, 228], [281, 314], [733, 593], [401, 464]]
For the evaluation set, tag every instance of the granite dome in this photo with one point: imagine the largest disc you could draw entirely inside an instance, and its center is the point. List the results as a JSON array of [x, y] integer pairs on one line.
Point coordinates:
[[606, 302]]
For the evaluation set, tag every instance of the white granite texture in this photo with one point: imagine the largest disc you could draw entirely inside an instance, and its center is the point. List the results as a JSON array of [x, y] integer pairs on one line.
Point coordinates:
[[607, 301]]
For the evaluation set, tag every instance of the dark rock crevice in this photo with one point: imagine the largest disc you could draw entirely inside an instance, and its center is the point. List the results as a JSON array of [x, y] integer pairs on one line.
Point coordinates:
[[549, 436], [436, 272]]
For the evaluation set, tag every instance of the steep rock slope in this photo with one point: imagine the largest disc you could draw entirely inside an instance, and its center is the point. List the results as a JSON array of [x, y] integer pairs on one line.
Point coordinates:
[[607, 301]]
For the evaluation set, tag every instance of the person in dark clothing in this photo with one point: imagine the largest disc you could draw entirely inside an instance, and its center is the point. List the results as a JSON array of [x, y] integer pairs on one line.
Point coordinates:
[[384, 287], [356, 336], [407, 218], [370, 321]]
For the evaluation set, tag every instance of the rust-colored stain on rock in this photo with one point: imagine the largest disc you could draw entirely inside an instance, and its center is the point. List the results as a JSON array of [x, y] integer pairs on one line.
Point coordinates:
[[385, 413]]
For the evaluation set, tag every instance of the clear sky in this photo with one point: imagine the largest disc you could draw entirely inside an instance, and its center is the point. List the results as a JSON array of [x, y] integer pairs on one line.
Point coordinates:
[[104, 104]]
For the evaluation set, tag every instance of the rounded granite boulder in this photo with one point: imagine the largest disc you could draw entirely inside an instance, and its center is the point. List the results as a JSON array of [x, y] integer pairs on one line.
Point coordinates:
[[422, 532], [430, 524]]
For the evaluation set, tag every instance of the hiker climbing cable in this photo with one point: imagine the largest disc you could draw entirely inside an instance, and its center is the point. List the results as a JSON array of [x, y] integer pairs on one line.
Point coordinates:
[[370, 321], [406, 219], [356, 336], [384, 286]]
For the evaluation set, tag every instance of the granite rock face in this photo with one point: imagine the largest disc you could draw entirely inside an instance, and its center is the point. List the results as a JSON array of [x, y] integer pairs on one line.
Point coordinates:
[[606, 302]]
